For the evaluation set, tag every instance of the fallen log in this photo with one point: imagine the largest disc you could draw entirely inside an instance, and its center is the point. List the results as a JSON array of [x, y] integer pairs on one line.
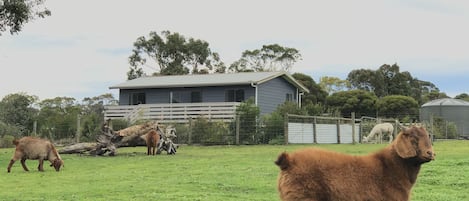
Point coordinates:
[[109, 140], [78, 148]]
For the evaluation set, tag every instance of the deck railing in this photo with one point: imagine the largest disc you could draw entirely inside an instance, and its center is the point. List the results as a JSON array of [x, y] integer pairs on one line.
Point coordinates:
[[174, 112]]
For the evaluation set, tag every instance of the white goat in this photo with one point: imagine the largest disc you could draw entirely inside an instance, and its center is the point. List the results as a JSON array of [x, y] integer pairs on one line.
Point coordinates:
[[378, 131]]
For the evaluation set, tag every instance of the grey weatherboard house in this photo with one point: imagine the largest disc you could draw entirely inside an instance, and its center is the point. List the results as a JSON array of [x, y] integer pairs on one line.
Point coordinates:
[[268, 89]]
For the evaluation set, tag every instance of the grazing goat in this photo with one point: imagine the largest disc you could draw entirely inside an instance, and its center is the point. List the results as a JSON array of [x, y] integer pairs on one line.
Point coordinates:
[[152, 139], [35, 149], [378, 131], [388, 175]]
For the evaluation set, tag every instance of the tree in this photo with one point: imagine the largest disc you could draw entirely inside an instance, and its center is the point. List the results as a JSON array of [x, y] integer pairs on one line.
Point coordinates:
[[57, 118], [17, 110], [313, 102], [333, 84], [462, 96], [15, 13], [388, 80], [397, 106], [273, 128], [173, 54], [248, 113], [362, 79], [359, 101], [269, 58], [92, 115], [316, 93]]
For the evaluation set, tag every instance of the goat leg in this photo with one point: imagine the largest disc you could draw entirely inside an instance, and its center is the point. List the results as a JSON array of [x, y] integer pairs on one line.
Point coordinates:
[[23, 163], [11, 164], [40, 167]]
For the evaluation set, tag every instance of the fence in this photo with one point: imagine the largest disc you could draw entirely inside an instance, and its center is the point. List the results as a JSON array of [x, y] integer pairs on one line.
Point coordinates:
[[174, 112], [314, 129]]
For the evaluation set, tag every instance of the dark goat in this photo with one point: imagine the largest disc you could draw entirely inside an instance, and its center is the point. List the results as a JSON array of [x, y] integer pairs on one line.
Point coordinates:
[[152, 139]]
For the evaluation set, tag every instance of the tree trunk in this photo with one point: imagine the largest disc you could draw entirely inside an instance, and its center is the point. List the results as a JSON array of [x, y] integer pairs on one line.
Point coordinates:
[[110, 140]]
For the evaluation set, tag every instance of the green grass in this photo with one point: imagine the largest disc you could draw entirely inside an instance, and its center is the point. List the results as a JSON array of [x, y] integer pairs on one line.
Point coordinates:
[[205, 173]]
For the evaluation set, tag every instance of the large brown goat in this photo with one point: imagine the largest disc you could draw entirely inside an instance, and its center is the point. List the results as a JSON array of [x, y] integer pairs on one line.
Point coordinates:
[[152, 139], [35, 149], [387, 175]]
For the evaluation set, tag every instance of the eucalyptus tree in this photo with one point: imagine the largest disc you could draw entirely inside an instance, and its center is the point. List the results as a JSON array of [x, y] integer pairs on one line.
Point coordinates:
[[271, 57], [172, 54], [15, 13]]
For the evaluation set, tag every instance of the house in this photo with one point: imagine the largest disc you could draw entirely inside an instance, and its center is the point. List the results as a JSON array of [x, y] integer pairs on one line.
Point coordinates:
[[268, 89]]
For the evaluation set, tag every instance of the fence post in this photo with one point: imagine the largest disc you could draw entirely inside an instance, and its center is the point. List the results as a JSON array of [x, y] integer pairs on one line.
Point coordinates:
[[35, 128], [190, 131], [285, 128], [237, 129], [353, 128], [315, 138], [338, 131], [78, 128]]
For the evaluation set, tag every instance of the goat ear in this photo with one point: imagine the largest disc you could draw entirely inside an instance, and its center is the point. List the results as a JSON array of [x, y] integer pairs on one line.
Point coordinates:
[[403, 146]]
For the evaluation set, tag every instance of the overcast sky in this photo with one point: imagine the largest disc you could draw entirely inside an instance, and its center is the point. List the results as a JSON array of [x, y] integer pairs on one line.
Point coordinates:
[[83, 48]]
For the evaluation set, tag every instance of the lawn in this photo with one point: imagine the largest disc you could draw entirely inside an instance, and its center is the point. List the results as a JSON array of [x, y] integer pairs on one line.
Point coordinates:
[[205, 173]]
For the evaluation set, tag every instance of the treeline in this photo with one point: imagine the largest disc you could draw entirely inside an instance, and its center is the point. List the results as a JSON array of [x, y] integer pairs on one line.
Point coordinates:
[[394, 95], [386, 92], [22, 114]]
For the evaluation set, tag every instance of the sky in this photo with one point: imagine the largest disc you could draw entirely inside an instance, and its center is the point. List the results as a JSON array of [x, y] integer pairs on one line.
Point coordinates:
[[83, 47]]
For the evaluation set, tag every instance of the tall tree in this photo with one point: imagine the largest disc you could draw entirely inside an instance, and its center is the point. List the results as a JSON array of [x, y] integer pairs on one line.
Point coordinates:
[[92, 115], [269, 58], [359, 101], [333, 84], [389, 80], [362, 79], [15, 13], [18, 110], [316, 93], [58, 117], [172, 53]]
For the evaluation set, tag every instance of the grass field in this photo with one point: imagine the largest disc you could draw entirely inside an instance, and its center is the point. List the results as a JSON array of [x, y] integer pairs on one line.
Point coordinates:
[[205, 173]]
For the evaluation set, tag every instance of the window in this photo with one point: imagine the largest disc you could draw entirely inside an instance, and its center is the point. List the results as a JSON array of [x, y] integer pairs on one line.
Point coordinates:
[[234, 95], [176, 97], [289, 97], [196, 97], [137, 98]]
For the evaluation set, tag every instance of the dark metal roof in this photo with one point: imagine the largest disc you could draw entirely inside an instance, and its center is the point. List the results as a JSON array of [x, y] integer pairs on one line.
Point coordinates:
[[199, 80]]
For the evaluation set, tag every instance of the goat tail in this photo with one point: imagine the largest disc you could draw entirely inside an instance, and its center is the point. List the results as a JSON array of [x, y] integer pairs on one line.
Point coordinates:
[[15, 142], [283, 161]]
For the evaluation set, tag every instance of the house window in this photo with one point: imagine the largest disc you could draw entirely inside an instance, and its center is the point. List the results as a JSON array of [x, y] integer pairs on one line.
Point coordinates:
[[176, 97], [137, 98], [196, 97], [234, 95], [289, 97]]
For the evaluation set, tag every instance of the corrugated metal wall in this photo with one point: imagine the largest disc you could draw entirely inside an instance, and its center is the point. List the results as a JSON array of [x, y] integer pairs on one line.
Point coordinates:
[[456, 114], [303, 133]]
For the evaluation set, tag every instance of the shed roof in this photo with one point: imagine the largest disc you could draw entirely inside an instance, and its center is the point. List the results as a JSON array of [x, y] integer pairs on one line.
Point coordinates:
[[200, 80], [446, 102]]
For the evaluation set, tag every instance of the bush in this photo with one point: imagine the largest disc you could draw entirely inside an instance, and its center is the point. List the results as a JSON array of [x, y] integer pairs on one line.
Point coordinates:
[[443, 129], [6, 141], [210, 133]]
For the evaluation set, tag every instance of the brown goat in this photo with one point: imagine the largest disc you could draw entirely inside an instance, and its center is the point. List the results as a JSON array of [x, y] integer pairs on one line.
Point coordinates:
[[35, 149], [387, 175], [152, 139]]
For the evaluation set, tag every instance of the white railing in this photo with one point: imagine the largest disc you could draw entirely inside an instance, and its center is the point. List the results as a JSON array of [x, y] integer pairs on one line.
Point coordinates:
[[175, 112]]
